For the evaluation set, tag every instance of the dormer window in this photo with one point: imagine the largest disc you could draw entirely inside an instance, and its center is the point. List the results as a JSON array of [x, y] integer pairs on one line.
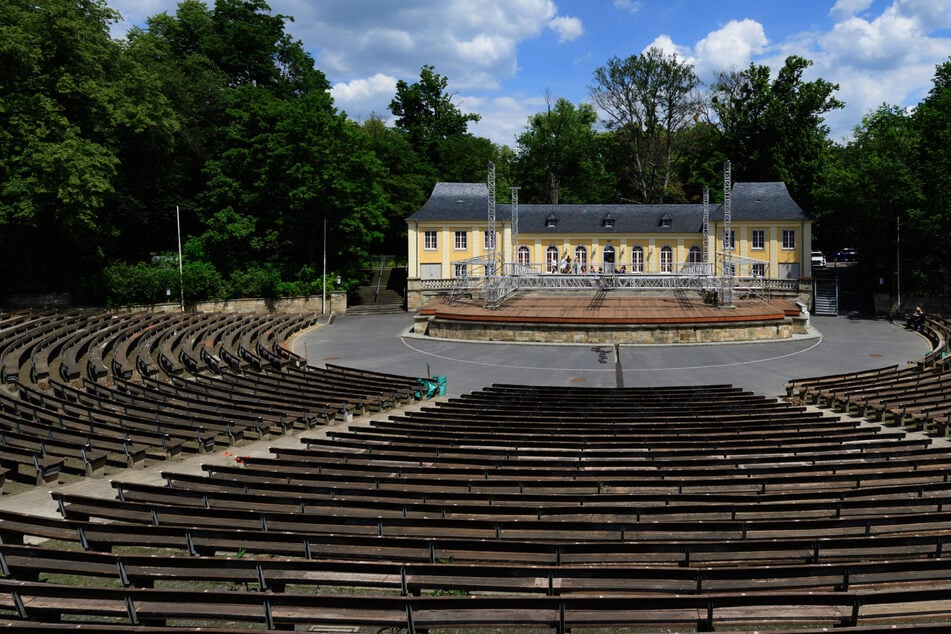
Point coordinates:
[[551, 221], [608, 221], [665, 221]]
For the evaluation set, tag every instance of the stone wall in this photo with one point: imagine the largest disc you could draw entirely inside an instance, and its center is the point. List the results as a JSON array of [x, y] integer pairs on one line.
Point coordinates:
[[610, 334], [336, 303]]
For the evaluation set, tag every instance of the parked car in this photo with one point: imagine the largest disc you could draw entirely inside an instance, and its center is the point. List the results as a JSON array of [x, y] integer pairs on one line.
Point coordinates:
[[818, 259], [846, 254]]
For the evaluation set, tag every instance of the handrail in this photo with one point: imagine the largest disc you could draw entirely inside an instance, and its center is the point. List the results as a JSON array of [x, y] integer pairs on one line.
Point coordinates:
[[379, 280]]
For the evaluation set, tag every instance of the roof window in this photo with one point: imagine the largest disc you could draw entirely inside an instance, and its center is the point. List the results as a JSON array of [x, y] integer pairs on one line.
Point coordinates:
[[665, 221], [607, 222], [551, 221]]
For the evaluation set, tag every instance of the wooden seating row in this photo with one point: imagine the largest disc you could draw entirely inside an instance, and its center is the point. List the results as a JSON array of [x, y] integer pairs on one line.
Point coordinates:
[[655, 509], [117, 387], [918, 395]]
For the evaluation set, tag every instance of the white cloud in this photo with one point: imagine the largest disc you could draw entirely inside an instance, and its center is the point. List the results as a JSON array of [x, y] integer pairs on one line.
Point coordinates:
[[889, 58], [844, 9], [631, 6], [567, 28], [889, 41], [476, 49], [885, 57], [365, 96], [731, 47], [934, 13], [667, 45], [503, 118]]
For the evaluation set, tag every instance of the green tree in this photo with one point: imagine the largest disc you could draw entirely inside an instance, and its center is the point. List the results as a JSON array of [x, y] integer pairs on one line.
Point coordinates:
[[559, 156], [262, 159], [71, 107], [649, 98], [774, 130], [871, 183], [930, 225], [425, 112], [406, 179]]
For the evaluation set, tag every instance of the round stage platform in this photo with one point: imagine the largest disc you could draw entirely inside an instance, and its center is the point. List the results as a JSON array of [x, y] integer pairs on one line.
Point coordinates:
[[612, 317]]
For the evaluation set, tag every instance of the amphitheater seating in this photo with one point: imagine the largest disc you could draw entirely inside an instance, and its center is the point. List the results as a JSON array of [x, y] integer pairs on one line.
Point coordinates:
[[97, 387], [918, 395], [683, 508], [642, 513]]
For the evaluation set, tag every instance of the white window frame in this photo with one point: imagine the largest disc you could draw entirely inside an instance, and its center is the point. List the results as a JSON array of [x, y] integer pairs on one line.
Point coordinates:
[[460, 240], [666, 259], [581, 258], [637, 259], [433, 244], [760, 243], [789, 239], [551, 259], [459, 270], [524, 255], [488, 240], [758, 269]]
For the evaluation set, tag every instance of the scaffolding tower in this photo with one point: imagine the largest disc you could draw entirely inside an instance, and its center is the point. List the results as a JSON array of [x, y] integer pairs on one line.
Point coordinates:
[[728, 273], [492, 250]]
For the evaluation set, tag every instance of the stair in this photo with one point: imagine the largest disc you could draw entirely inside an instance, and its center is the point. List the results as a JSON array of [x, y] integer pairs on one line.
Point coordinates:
[[390, 282], [825, 292]]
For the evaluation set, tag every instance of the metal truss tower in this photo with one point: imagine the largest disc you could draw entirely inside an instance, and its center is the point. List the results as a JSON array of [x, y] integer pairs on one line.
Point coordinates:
[[706, 226], [729, 273], [493, 248], [514, 258]]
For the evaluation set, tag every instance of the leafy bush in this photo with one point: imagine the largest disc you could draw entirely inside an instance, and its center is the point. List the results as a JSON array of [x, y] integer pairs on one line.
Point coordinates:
[[159, 281], [256, 281], [132, 284]]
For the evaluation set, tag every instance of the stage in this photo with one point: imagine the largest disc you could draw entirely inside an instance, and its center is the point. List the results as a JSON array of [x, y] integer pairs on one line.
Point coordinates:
[[611, 317]]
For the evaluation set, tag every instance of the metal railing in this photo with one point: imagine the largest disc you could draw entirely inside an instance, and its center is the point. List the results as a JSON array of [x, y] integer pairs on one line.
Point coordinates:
[[477, 278]]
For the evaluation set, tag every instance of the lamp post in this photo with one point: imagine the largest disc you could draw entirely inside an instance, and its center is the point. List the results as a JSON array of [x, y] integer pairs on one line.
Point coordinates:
[[323, 296], [181, 276], [898, 260]]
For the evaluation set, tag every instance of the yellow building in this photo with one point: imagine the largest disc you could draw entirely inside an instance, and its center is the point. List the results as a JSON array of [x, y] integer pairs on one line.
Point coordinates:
[[771, 236]]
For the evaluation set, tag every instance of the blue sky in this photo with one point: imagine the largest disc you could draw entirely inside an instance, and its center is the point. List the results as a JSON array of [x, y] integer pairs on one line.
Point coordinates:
[[502, 57]]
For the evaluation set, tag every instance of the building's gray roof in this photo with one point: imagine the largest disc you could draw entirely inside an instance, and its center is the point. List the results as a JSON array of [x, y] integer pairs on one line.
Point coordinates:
[[455, 201], [751, 202], [589, 218]]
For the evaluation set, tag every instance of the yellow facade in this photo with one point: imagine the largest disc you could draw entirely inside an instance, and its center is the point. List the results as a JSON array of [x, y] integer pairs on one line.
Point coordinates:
[[772, 235], [451, 248]]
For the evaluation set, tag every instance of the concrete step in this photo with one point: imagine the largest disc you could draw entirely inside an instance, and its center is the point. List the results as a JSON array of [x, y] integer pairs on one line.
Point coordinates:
[[375, 309]]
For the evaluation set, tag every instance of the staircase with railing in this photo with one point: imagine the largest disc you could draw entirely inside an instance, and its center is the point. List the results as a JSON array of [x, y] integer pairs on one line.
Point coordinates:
[[383, 294], [825, 292]]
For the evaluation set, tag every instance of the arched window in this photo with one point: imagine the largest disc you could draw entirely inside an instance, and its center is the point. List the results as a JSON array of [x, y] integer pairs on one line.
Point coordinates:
[[666, 260], [581, 259], [608, 257], [524, 256], [637, 260], [694, 261], [551, 260]]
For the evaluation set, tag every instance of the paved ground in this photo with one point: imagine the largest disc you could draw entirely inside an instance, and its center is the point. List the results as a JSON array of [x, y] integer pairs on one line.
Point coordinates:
[[380, 342], [838, 344]]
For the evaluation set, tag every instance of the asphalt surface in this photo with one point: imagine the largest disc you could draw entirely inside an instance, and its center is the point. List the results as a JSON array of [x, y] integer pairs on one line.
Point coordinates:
[[836, 344]]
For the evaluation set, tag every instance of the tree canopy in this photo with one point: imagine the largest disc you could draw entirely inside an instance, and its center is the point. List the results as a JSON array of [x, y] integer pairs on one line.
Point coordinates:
[[649, 99], [216, 113]]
